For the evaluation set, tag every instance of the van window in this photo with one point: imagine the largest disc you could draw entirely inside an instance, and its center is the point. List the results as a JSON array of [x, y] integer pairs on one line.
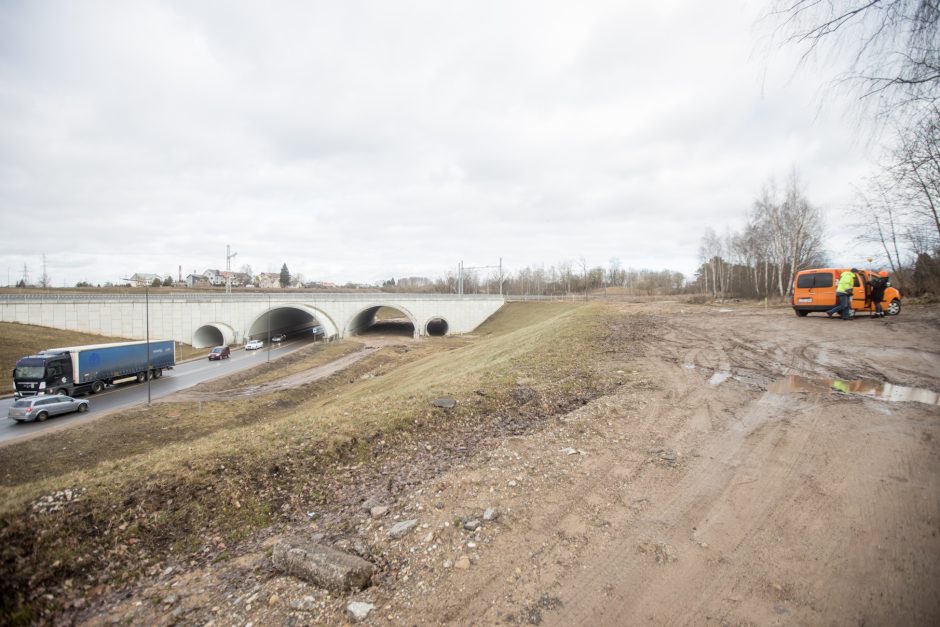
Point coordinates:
[[806, 281], [814, 279]]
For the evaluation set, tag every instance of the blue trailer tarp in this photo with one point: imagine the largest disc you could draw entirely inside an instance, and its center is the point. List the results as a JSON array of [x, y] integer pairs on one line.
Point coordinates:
[[119, 361]]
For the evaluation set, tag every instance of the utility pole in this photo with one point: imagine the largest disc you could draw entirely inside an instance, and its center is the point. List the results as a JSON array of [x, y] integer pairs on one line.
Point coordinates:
[[147, 314], [229, 255], [25, 275], [461, 269]]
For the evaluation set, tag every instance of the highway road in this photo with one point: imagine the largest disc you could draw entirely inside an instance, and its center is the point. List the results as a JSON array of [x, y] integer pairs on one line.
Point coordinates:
[[184, 375]]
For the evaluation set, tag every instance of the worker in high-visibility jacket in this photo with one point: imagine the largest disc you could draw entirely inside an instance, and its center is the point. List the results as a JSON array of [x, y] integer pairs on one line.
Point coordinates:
[[844, 294]]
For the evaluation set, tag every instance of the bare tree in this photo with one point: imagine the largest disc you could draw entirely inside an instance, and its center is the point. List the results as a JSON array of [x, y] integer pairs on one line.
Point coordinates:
[[916, 170], [783, 235], [881, 224], [892, 44]]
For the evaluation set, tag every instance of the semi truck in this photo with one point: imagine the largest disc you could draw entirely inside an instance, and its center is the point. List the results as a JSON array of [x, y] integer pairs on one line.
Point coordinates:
[[75, 370]]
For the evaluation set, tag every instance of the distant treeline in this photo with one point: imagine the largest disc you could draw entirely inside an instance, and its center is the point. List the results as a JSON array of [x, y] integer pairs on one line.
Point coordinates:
[[563, 279]]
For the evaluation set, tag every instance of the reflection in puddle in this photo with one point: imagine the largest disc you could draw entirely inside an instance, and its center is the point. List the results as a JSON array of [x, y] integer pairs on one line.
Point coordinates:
[[872, 389]]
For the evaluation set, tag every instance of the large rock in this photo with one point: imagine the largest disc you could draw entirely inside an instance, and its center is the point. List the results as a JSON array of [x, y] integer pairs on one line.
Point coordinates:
[[359, 610], [322, 565], [399, 530]]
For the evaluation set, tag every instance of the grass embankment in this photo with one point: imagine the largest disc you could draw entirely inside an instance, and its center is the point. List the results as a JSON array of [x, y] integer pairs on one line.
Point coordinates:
[[177, 481]]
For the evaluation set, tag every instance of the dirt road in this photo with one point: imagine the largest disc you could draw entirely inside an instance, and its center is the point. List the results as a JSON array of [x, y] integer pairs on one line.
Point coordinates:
[[691, 495], [704, 498]]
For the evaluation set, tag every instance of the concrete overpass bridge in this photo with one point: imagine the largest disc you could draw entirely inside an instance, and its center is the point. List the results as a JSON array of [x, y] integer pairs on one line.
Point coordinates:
[[206, 319]]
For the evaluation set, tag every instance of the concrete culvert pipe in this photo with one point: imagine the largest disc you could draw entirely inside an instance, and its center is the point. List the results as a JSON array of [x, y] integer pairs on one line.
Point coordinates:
[[437, 327]]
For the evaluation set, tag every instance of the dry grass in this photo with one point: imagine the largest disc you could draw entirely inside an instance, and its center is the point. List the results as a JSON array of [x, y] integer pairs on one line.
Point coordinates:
[[305, 359], [164, 478]]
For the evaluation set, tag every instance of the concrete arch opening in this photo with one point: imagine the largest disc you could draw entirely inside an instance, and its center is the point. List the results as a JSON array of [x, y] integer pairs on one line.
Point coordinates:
[[294, 322], [382, 320], [213, 334], [436, 327]]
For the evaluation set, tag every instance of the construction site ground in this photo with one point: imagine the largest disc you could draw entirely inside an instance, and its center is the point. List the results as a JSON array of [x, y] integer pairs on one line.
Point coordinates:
[[746, 466]]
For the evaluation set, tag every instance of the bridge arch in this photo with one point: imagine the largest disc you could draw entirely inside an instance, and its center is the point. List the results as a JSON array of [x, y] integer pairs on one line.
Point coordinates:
[[290, 318], [365, 318], [213, 334]]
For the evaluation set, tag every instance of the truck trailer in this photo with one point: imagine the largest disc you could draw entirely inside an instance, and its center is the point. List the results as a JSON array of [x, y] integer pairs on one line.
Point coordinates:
[[81, 369]]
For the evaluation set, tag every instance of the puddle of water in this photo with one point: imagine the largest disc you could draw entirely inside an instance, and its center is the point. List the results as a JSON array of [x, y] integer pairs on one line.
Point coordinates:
[[725, 310], [719, 377], [872, 389], [689, 366]]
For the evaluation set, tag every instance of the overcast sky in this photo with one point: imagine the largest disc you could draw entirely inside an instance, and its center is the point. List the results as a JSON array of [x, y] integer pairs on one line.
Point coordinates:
[[357, 141]]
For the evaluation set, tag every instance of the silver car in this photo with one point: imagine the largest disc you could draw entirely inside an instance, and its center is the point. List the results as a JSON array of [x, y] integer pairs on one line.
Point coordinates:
[[41, 407]]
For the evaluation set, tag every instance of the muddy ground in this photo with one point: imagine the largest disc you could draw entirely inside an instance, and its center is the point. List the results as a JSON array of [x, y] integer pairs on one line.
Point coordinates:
[[689, 494]]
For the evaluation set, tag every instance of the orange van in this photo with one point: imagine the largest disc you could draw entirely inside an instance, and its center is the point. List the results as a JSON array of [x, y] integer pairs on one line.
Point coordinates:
[[815, 290]]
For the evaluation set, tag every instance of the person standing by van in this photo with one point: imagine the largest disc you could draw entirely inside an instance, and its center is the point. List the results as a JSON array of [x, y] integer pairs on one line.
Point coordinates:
[[844, 294], [878, 286]]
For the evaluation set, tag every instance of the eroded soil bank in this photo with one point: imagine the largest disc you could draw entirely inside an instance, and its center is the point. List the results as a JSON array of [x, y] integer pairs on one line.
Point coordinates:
[[678, 491]]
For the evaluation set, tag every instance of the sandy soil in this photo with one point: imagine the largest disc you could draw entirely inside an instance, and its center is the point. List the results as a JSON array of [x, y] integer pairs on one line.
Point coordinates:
[[692, 495]]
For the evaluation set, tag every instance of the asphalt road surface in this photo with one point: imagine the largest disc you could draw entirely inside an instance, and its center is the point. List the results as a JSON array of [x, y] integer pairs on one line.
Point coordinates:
[[184, 375]]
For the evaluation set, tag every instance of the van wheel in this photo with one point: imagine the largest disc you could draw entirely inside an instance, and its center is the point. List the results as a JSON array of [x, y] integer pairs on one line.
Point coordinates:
[[800, 313], [894, 308], [96, 387], [41, 416]]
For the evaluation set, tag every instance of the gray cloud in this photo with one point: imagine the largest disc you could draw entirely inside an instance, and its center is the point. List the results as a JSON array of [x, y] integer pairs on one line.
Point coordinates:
[[363, 140]]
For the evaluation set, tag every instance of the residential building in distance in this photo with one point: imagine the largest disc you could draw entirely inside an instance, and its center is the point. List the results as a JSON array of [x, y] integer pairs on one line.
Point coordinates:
[[143, 279]]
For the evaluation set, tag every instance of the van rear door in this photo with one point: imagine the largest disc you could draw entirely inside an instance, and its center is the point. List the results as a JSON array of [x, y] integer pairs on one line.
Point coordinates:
[[815, 289]]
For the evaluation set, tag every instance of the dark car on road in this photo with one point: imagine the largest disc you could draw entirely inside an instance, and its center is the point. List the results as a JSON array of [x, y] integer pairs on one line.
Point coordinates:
[[41, 407], [220, 352]]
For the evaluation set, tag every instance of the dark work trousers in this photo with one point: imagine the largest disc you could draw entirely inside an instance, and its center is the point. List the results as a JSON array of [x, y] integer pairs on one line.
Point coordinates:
[[843, 304]]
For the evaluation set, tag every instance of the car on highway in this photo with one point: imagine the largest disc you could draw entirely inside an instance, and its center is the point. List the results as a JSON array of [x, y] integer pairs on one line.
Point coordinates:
[[39, 408], [254, 345], [280, 337], [220, 352]]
